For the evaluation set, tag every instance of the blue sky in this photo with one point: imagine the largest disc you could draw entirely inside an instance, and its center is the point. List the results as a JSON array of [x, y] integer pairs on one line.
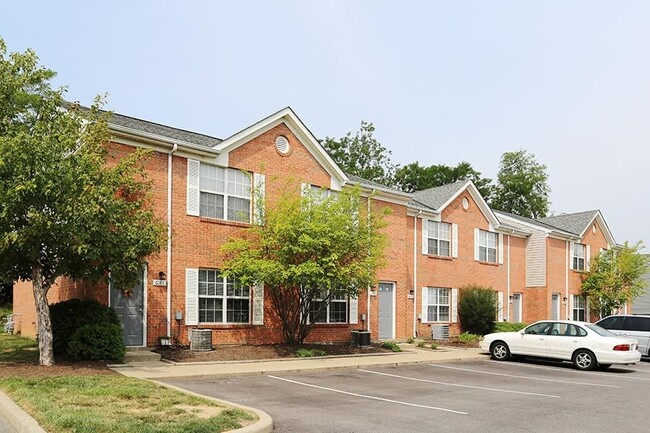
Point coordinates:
[[443, 82]]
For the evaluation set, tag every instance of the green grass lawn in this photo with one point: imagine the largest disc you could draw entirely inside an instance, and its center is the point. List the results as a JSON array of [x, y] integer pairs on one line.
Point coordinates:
[[106, 402]]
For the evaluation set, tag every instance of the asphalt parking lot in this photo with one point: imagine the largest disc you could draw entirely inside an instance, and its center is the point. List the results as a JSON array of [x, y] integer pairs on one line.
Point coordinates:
[[471, 396]]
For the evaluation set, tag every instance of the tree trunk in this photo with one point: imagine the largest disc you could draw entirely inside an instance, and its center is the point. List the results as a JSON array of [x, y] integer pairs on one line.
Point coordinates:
[[43, 323]]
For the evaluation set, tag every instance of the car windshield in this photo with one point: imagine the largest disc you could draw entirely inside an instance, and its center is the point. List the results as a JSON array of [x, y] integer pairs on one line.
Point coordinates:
[[600, 331]]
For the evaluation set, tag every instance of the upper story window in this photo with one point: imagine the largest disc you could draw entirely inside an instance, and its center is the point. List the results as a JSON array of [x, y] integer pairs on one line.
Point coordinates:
[[487, 246], [439, 239], [222, 300], [225, 193], [579, 254]]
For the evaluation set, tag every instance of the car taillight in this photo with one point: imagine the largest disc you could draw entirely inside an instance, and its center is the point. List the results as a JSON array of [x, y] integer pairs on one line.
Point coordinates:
[[622, 347]]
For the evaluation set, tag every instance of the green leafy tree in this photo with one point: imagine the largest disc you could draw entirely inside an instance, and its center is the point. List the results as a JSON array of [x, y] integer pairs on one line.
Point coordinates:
[[414, 177], [68, 209], [615, 278], [309, 251], [362, 155], [522, 186]]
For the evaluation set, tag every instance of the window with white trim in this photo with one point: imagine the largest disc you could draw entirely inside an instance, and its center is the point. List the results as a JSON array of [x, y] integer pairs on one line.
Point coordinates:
[[579, 312], [222, 300], [335, 312], [579, 253], [487, 246], [438, 304], [439, 239], [225, 193]]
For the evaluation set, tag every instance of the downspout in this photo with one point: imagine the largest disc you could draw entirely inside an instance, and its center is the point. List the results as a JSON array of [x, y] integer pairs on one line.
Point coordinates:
[[415, 273], [508, 298], [566, 281], [369, 287], [169, 239]]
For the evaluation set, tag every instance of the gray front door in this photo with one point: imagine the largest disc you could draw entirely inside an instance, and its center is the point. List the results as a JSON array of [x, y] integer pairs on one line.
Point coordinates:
[[555, 306], [386, 311], [516, 308], [129, 307]]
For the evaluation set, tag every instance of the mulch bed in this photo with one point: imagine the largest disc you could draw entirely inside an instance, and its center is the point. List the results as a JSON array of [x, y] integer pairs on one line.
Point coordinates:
[[61, 368], [249, 352]]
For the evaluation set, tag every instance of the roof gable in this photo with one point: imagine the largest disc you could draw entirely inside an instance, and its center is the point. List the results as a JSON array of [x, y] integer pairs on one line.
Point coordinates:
[[440, 197], [291, 120], [578, 223]]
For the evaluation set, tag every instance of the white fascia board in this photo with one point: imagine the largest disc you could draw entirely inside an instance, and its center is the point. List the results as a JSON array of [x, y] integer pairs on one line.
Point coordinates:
[[377, 194], [526, 224], [297, 127], [158, 141], [609, 237]]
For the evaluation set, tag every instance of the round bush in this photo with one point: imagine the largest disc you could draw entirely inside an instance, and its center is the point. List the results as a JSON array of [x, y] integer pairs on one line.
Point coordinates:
[[98, 341], [68, 316], [477, 309]]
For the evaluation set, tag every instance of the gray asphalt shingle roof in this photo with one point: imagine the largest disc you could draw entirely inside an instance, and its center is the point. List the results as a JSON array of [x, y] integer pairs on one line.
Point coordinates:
[[163, 130], [575, 223], [435, 197], [528, 220], [375, 185]]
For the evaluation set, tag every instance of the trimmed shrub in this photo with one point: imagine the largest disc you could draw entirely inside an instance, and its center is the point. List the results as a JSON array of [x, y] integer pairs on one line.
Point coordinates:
[[98, 341], [477, 309], [467, 338], [508, 327], [308, 353], [68, 316], [391, 345]]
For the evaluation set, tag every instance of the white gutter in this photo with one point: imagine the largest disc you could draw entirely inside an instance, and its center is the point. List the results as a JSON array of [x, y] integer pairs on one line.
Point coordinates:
[[169, 239], [508, 298], [367, 324], [566, 281], [164, 140], [415, 273]]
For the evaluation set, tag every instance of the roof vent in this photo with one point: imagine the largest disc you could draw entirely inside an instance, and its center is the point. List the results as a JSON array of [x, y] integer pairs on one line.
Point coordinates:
[[282, 145]]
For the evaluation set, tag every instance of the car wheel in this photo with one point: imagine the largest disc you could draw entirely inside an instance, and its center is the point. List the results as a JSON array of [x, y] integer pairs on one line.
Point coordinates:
[[500, 351], [584, 360], [604, 366]]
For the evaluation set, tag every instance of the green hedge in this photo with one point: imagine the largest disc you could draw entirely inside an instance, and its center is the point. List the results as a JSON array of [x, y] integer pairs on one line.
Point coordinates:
[[477, 309], [99, 341], [508, 327], [69, 316]]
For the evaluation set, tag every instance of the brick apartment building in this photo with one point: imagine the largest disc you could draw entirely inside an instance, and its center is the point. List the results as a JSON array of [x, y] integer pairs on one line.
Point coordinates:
[[440, 240]]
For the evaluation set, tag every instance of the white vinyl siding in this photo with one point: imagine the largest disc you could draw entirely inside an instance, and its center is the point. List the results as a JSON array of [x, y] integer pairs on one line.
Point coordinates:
[[536, 260]]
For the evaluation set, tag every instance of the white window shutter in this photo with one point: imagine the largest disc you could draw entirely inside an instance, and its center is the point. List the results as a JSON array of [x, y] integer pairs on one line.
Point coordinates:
[[588, 258], [476, 235], [570, 307], [193, 192], [425, 304], [258, 304], [454, 305], [425, 236], [454, 241], [587, 316], [305, 189], [572, 247], [259, 186], [354, 310], [191, 296], [500, 248], [500, 306]]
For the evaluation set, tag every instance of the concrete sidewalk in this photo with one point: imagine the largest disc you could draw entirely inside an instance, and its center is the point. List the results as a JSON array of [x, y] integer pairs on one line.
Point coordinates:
[[411, 355]]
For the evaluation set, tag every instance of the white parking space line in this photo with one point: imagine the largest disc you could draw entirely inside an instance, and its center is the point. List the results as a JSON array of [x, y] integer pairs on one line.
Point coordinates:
[[607, 374], [523, 377], [370, 397], [459, 385]]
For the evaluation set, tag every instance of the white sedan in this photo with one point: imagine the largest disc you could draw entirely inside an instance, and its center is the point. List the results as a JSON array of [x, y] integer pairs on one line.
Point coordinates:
[[585, 344]]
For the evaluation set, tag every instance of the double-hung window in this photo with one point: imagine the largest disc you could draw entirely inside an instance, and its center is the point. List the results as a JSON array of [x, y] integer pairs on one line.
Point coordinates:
[[579, 308], [335, 312], [579, 257], [439, 239], [487, 246], [222, 300], [438, 304], [225, 193]]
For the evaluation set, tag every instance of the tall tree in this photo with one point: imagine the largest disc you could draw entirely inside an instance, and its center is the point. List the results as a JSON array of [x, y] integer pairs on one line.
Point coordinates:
[[414, 177], [522, 186], [309, 251], [615, 278], [68, 210], [362, 155]]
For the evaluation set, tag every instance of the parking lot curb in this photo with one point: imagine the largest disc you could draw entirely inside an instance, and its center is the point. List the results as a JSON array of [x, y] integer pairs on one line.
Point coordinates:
[[17, 417], [263, 425]]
